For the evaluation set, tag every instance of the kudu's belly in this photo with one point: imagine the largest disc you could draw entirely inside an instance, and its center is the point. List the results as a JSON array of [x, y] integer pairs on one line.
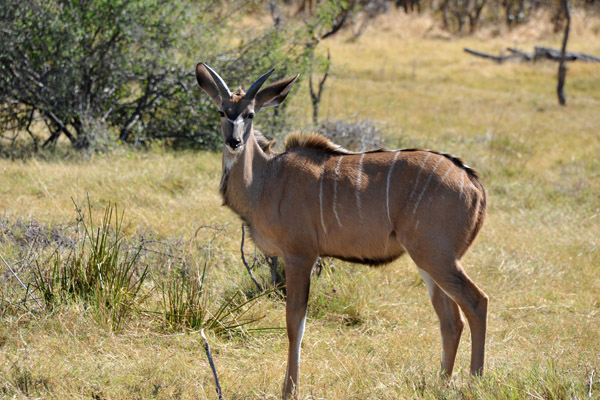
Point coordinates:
[[366, 244]]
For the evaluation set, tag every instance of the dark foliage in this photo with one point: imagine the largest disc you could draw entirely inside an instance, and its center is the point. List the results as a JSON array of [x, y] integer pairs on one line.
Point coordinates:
[[101, 71]]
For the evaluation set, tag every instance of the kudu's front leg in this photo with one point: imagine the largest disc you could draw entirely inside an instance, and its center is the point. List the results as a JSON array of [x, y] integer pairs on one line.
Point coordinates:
[[297, 275]]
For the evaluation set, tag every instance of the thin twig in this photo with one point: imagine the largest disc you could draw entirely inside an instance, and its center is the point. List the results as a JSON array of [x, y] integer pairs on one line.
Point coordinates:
[[20, 281], [591, 383], [258, 286], [212, 364]]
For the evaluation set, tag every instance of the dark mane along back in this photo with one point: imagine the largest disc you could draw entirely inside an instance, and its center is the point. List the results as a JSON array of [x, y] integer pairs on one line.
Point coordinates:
[[456, 160], [313, 141]]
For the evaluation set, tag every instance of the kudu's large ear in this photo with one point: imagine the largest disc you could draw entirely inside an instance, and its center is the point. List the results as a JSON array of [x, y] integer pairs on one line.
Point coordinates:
[[207, 83], [275, 93]]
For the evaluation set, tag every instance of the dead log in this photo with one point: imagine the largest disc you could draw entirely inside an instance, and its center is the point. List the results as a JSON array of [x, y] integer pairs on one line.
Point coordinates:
[[499, 58], [525, 55], [540, 53], [555, 55]]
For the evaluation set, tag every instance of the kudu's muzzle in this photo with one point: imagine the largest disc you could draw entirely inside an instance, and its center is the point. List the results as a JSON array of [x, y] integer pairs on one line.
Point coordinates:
[[234, 133]]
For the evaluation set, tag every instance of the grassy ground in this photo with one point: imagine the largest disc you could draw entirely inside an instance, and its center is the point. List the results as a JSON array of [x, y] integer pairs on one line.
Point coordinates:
[[371, 333]]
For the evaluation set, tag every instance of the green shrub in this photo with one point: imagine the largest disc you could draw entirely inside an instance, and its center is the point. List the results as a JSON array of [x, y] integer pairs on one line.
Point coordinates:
[[100, 72]]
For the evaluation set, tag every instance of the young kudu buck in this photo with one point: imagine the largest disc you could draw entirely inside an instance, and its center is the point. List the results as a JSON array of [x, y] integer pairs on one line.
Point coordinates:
[[317, 199]]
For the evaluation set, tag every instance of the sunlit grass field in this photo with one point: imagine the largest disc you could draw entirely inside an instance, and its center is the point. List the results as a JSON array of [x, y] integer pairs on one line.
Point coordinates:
[[371, 332]]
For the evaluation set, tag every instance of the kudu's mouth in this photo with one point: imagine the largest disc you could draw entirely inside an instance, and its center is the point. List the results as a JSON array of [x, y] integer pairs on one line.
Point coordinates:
[[235, 150]]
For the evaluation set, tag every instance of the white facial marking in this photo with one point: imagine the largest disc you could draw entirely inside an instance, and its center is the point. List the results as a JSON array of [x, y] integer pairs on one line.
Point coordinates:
[[419, 175], [426, 183], [387, 189], [236, 125], [335, 181], [235, 151], [228, 159], [239, 120], [358, 184], [321, 198]]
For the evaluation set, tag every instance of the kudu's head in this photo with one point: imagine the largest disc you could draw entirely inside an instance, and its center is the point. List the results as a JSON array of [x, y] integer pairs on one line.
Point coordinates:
[[237, 109]]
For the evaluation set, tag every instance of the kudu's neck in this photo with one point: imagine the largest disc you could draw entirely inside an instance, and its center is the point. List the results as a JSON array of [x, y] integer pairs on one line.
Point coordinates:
[[243, 178]]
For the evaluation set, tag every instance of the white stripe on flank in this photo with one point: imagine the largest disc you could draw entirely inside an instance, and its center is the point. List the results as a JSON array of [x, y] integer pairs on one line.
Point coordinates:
[[387, 189], [462, 184], [446, 175], [335, 181], [419, 176], [426, 183], [358, 184], [321, 198]]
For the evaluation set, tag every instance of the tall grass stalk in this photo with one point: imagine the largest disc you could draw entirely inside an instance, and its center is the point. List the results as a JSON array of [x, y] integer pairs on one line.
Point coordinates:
[[98, 272], [185, 305]]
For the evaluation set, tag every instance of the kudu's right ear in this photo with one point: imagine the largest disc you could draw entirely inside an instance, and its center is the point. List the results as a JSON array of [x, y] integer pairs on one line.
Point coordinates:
[[275, 93], [207, 83]]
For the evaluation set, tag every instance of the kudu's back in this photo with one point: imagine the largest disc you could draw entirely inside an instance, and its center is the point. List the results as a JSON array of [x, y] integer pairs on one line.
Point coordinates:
[[371, 207]]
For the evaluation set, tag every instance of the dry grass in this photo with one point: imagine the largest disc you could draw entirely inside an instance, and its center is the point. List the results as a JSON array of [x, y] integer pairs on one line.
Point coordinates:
[[371, 333]]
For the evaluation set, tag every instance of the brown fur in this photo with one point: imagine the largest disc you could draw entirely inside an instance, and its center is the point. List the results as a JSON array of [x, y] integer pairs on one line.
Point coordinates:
[[238, 95], [313, 142], [318, 199], [264, 143]]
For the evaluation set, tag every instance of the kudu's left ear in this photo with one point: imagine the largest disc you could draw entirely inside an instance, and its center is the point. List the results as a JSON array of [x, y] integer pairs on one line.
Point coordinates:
[[275, 93]]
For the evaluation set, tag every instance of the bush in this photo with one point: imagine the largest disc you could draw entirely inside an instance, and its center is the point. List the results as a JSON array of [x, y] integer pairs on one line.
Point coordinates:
[[102, 71], [359, 135]]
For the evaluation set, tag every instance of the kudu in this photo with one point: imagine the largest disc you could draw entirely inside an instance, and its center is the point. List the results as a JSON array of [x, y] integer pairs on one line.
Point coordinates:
[[318, 199]]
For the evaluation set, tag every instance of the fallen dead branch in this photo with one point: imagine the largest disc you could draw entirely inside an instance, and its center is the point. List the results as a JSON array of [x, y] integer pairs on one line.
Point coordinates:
[[525, 55], [554, 55], [539, 53], [499, 58]]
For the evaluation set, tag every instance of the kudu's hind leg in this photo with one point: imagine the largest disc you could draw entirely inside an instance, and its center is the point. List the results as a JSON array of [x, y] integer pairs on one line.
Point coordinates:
[[297, 275], [452, 279], [451, 323]]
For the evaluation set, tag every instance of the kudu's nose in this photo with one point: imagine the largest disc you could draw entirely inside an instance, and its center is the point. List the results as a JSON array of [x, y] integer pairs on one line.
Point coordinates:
[[234, 143]]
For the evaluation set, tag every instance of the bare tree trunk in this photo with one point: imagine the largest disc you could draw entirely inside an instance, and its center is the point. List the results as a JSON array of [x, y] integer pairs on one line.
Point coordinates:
[[562, 68], [475, 16], [315, 96], [444, 9]]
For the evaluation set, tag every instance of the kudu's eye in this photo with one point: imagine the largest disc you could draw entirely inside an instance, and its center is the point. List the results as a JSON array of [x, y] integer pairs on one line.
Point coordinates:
[[222, 114], [250, 115]]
